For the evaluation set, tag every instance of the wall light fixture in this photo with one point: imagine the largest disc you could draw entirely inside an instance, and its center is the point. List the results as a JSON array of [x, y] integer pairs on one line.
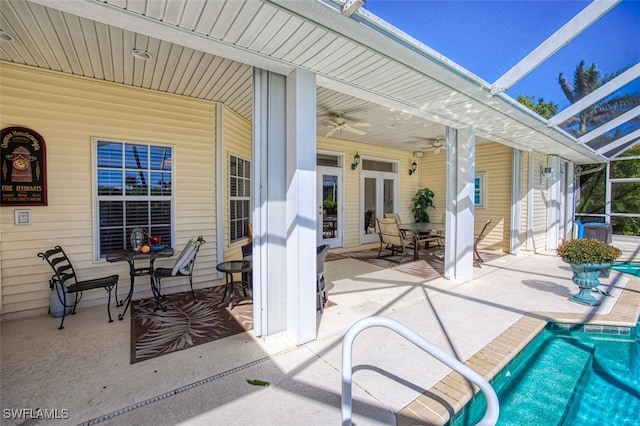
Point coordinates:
[[356, 161], [413, 168]]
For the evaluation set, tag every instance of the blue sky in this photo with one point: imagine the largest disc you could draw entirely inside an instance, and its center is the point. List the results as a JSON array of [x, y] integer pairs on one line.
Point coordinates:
[[489, 37]]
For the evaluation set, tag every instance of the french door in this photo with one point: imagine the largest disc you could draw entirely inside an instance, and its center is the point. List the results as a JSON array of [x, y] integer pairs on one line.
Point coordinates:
[[378, 196], [330, 211]]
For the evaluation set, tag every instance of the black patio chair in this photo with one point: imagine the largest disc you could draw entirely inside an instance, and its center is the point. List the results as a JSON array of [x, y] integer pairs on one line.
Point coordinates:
[[321, 288], [247, 255], [64, 281], [183, 266]]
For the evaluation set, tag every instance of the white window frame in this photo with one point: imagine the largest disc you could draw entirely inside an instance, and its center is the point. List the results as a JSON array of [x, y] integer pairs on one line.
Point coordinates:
[[247, 198], [98, 198]]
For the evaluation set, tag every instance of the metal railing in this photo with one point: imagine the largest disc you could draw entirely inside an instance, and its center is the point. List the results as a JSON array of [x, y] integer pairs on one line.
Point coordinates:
[[493, 407]]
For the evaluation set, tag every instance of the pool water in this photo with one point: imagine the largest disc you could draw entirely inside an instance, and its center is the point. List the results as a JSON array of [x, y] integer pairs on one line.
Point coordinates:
[[568, 378], [632, 268]]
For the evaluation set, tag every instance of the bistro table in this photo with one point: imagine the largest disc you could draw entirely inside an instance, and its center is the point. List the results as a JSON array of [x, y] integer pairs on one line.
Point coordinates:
[[234, 267], [131, 257], [420, 229]]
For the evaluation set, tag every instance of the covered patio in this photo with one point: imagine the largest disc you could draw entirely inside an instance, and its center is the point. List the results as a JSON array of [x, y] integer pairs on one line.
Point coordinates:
[[88, 374], [272, 97]]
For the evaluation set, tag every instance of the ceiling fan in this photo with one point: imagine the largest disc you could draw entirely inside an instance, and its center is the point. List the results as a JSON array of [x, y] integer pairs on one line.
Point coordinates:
[[339, 122], [433, 144]]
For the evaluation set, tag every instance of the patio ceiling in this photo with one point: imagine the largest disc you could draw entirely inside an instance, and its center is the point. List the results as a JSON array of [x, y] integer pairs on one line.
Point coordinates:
[[206, 49]]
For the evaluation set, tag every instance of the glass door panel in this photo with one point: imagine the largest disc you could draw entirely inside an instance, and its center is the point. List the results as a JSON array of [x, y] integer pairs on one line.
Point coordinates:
[[330, 206], [378, 197], [388, 195], [370, 204]]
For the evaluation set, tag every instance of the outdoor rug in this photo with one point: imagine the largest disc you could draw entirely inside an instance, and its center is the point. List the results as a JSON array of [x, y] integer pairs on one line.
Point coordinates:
[[433, 257], [186, 323]]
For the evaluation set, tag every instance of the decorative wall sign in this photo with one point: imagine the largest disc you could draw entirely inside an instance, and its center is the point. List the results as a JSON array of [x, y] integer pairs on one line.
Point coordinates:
[[23, 177]]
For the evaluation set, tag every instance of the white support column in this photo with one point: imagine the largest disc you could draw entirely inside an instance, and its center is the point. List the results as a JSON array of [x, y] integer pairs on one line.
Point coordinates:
[[269, 189], [301, 206], [451, 185], [220, 203], [516, 202], [460, 173], [530, 198], [570, 200], [554, 204]]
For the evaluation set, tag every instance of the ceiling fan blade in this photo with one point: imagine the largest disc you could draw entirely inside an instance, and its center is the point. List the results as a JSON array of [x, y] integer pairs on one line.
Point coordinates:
[[352, 130], [331, 132], [360, 124]]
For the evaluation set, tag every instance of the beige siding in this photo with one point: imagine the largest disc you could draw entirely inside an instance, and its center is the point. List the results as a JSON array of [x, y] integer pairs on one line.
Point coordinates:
[[68, 111], [495, 161], [237, 141], [540, 196], [433, 176], [525, 199]]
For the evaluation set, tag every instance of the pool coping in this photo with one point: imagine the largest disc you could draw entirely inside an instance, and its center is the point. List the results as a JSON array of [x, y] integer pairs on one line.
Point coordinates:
[[439, 403]]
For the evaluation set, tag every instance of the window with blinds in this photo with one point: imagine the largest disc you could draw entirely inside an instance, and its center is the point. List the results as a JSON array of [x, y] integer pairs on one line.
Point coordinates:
[[134, 190], [239, 198]]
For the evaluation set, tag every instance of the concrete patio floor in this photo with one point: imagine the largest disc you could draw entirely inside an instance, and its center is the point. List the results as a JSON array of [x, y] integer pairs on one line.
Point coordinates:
[[84, 369]]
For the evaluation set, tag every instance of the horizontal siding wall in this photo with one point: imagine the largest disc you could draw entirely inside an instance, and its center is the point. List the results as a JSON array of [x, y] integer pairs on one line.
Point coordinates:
[[68, 111], [495, 161], [433, 173], [525, 199], [540, 197], [237, 140], [407, 185]]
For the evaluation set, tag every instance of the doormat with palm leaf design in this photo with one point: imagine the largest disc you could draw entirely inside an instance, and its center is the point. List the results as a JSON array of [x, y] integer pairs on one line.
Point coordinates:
[[186, 323]]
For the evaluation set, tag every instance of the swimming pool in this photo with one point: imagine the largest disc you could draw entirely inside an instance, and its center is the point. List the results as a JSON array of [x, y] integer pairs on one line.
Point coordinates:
[[569, 377], [632, 268]]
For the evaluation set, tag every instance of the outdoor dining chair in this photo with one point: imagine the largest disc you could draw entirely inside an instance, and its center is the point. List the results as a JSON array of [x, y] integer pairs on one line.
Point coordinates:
[[183, 266], [479, 237], [392, 238], [64, 282]]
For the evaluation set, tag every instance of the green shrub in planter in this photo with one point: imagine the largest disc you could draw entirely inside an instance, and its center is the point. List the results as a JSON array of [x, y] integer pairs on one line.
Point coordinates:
[[587, 250]]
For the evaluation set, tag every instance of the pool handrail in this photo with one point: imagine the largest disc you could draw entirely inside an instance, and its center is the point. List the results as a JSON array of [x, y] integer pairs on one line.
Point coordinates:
[[493, 406]]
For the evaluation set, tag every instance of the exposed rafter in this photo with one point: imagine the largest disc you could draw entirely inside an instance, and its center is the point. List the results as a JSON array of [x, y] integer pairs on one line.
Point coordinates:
[[350, 6], [598, 94], [564, 35], [610, 125], [619, 142]]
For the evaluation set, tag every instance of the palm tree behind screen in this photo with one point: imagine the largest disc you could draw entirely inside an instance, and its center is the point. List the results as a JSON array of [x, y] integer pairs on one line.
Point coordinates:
[[585, 81]]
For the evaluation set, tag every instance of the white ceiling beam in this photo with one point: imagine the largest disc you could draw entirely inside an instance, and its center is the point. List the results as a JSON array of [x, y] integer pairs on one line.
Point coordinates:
[[610, 125], [625, 150], [350, 6], [619, 142], [598, 94], [557, 40]]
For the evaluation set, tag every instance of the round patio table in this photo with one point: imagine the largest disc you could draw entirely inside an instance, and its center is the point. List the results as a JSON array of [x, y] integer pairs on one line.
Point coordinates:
[[234, 267]]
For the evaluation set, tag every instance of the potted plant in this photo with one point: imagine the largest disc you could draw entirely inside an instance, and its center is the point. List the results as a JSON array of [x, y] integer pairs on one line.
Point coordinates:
[[421, 202], [587, 258]]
